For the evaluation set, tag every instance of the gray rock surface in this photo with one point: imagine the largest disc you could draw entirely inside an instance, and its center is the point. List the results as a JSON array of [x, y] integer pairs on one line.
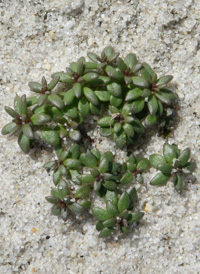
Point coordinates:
[[41, 37]]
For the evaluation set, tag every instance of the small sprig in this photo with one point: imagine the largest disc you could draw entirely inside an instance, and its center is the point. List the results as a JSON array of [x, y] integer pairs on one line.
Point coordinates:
[[173, 164]]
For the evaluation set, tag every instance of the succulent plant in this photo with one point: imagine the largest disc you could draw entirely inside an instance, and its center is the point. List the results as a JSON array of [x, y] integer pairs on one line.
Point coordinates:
[[126, 98], [173, 164]]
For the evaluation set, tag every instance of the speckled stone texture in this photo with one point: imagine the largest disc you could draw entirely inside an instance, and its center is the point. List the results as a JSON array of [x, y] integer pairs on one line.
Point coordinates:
[[41, 37]]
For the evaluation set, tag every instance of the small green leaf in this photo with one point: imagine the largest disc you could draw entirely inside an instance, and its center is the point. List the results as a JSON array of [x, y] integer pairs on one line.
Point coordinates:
[[137, 105], [159, 179], [163, 97], [114, 101], [109, 223], [69, 97], [103, 96], [95, 110], [133, 94], [62, 170], [36, 87], [90, 95], [83, 191], [53, 83], [64, 77], [55, 210], [99, 226], [130, 60], [30, 101], [86, 179], [96, 153], [88, 160], [52, 200], [150, 120], [22, 105], [127, 178], [105, 121], [110, 185], [106, 232], [104, 165], [56, 176], [184, 157], [169, 153], [8, 128], [83, 107], [121, 65], [72, 163], [178, 183], [156, 159], [94, 57], [189, 168], [11, 112], [24, 143], [77, 90], [146, 93], [149, 69], [71, 112], [41, 99], [133, 195], [114, 89], [56, 100], [64, 214], [27, 130], [123, 202], [164, 80], [49, 165], [111, 209], [152, 105], [115, 74], [140, 82], [117, 127], [111, 196], [40, 119], [76, 208], [165, 168], [100, 214], [129, 130], [85, 204], [90, 77], [75, 135], [120, 140], [50, 136], [105, 132], [135, 217], [143, 165]]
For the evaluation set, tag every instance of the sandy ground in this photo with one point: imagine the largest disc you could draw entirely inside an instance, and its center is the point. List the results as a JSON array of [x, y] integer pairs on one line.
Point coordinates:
[[41, 37]]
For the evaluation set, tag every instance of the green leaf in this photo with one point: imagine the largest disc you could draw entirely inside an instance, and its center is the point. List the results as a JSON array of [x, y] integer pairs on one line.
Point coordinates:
[[178, 183], [96, 153], [159, 179], [130, 60], [83, 107], [169, 153], [123, 202], [129, 130], [86, 179], [99, 226], [88, 160], [85, 204], [56, 176], [55, 210], [138, 127], [77, 89], [184, 157], [152, 105], [156, 159], [114, 73], [165, 168], [127, 178], [111, 196], [40, 119], [24, 143], [114, 89], [71, 111], [150, 120], [50, 136], [75, 135], [69, 97], [11, 112], [64, 77], [110, 185], [135, 217], [53, 83], [133, 94], [76, 208], [83, 191], [189, 168], [100, 214], [56, 100], [90, 77], [114, 101], [137, 105], [163, 97], [143, 165], [64, 214], [133, 195], [52, 200], [109, 223], [49, 165], [36, 87], [106, 232], [164, 80], [103, 96], [140, 82], [94, 57], [104, 165], [62, 170], [30, 101], [90, 65], [22, 105], [90, 95], [111, 209], [74, 176], [117, 127], [27, 131], [105, 121], [120, 140], [8, 128], [95, 110], [121, 65], [72, 163], [148, 69], [105, 132], [146, 93], [41, 99], [17, 103]]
